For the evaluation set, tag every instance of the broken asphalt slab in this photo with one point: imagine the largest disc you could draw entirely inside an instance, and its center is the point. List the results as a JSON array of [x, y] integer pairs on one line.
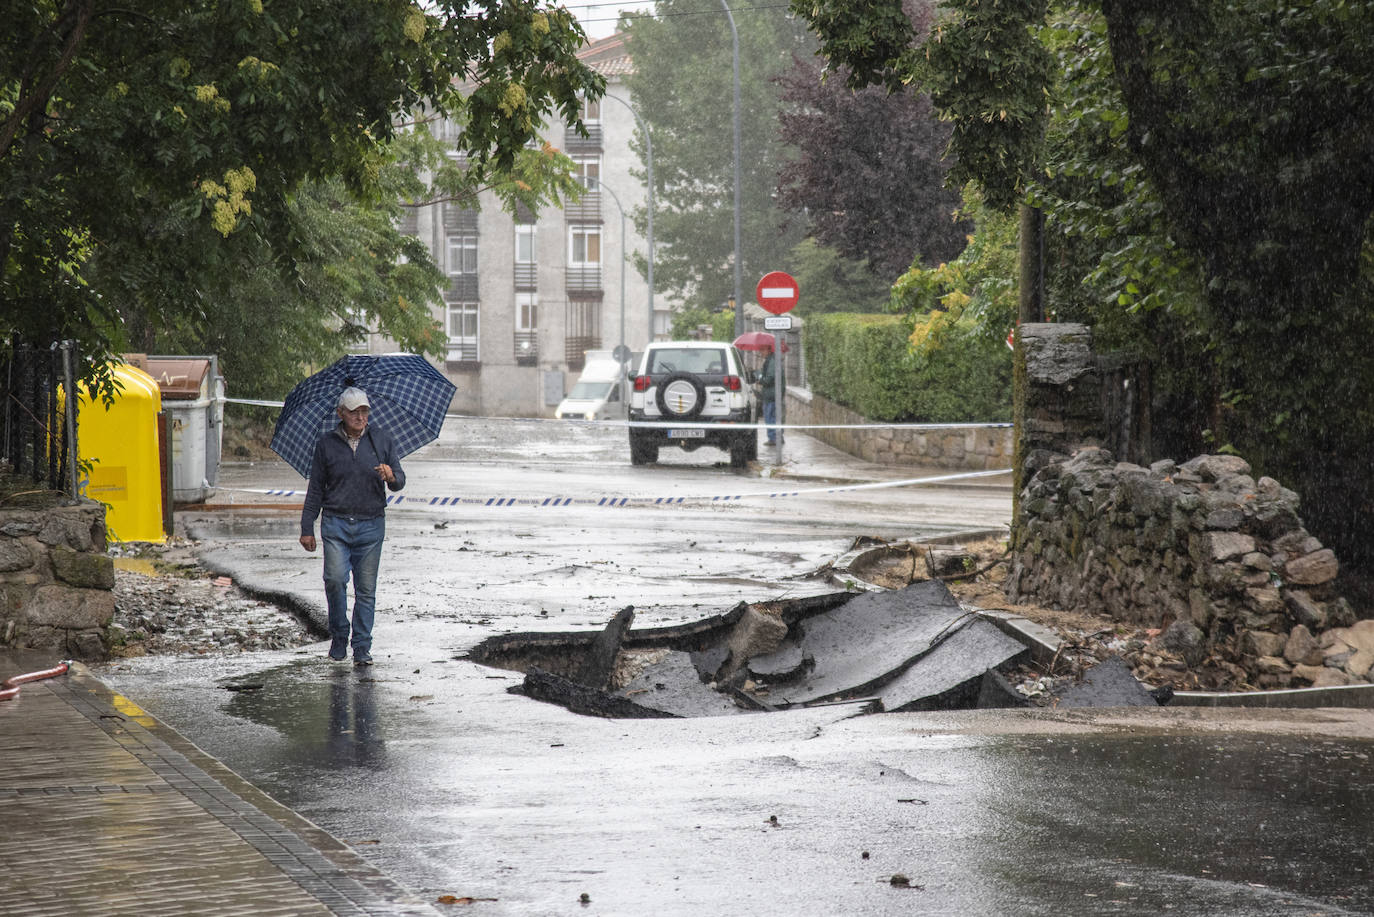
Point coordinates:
[[912, 649], [872, 645]]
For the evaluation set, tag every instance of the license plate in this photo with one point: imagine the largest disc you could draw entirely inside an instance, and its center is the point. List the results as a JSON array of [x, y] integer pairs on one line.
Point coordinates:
[[686, 434]]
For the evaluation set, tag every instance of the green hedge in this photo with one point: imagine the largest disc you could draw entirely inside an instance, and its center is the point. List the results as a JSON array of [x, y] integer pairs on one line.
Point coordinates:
[[865, 363]]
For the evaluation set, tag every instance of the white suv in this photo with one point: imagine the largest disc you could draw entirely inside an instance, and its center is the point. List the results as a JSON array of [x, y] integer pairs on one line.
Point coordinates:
[[696, 383]]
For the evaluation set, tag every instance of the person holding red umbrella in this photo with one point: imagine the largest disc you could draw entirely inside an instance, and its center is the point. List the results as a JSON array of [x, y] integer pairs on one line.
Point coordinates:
[[768, 381]]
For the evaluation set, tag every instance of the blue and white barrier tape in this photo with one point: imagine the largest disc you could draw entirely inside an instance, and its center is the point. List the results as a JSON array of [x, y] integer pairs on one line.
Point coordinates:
[[429, 502], [651, 425]]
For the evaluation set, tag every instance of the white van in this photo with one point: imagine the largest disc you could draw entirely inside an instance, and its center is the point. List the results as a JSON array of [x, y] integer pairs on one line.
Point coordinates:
[[598, 392]]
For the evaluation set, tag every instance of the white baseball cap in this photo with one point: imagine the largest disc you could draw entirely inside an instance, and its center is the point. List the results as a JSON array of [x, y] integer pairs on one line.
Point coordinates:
[[352, 399]]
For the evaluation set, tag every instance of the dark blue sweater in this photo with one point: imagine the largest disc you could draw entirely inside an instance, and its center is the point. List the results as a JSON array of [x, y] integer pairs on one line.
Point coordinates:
[[343, 482]]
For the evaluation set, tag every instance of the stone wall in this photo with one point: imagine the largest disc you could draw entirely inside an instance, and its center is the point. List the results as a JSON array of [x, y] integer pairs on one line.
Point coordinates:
[[1218, 562], [973, 447], [56, 581]]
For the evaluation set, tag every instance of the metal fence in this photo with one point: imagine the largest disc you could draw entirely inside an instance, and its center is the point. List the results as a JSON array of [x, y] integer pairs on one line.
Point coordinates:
[[39, 434]]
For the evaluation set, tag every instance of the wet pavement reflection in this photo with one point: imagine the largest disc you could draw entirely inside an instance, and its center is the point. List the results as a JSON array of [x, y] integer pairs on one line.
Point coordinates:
[[451, 785], [329, 721], [1185, 824]]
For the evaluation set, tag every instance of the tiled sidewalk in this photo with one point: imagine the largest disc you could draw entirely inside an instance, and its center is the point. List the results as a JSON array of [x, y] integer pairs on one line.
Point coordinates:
[[104, 810]]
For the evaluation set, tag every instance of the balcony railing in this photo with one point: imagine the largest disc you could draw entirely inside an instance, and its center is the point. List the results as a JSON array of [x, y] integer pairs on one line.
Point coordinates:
[[462, 288], [575, 143], [584, 281], [526, 348], [575, 349], [586, 210], [526, 275], [462, 350]]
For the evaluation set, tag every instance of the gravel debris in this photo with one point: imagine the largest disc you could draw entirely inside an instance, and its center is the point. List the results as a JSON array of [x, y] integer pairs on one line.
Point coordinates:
[[166, 604]]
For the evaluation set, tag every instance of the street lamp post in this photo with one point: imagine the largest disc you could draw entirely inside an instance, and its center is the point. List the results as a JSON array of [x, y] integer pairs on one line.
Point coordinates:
[[739, 268], [598, 185], [649, 159]]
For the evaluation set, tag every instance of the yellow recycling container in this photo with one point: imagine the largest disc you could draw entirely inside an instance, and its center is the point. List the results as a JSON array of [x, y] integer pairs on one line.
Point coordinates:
[[122, 442]]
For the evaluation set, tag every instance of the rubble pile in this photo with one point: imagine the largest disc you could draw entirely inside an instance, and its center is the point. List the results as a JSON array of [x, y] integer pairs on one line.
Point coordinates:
[[176, 608], [1214, 567]]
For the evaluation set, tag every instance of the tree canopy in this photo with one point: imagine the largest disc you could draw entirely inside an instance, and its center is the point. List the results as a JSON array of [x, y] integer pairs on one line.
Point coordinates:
[[870, 171], [1205, 169], [152, 151], [682, 87]]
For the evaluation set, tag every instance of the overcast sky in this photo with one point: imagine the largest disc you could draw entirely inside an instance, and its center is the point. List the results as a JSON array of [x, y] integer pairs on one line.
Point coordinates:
[[598, 17]]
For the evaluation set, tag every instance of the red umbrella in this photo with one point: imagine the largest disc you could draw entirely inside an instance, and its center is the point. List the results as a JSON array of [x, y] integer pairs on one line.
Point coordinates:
[[757, 340]]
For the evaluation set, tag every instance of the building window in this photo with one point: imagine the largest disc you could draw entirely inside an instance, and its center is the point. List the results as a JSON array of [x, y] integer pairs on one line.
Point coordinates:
[[526, 329], [584, 246], [524, 243], [526, 268], [526, 312], [462, 255], [588, 171], [591, 111], [462, 332], [583, 332]]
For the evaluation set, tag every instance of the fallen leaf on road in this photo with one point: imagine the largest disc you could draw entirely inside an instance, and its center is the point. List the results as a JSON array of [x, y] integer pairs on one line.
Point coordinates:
[[453, 899]]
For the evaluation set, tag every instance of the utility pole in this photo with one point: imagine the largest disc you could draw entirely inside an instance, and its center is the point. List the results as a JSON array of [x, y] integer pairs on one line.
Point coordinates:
[[739, 267]]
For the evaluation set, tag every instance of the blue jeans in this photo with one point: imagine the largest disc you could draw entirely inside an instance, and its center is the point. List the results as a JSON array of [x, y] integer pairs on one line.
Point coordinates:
[[353, 546], [770, 416]]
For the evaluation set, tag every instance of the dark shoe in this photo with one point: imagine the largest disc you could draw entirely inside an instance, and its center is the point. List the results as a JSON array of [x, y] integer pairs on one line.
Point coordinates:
[[363, 659], [338, 649]]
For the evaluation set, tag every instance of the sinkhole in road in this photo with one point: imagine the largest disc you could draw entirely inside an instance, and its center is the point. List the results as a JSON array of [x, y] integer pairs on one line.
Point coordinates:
[[908, 649]]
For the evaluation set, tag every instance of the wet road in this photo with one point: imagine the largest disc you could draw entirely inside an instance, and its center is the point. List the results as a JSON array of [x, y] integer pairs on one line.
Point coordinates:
[[453, 786]]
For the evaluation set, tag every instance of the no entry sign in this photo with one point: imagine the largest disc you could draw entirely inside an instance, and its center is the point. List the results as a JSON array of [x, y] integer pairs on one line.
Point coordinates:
[[777, 292]]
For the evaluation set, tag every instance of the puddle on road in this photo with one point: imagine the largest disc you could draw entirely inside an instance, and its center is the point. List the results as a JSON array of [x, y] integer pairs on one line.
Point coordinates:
[[332, 719], [140, 565]]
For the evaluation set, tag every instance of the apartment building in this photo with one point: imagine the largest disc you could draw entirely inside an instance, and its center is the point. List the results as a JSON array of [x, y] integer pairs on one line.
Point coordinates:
[[528, 295]]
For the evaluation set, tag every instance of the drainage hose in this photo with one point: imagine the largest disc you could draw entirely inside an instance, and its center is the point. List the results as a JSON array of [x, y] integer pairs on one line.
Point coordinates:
[[10, 686]]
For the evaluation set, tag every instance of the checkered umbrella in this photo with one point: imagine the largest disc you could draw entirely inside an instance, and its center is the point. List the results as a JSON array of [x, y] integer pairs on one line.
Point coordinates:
[[408, 398]]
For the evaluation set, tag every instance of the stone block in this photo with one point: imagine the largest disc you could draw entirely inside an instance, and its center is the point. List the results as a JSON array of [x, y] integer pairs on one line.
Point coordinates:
[[1339, 613], [1331, 678], [68, 529], [86, 645], [1305, 610], [757, 633], [1264, 600], [1215, 467], [1186, 640], [1272, 665], [57, 605], [1308, 672], [1302, 647], [14, 555], [83, 569], [1358, 636], [1226, 518], [1312, 569], [1261, 643], [1359, 664], [1223, 546]]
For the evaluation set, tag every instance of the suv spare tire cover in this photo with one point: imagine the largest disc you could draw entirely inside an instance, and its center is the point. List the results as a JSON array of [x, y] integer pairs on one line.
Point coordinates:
[[681, 396]]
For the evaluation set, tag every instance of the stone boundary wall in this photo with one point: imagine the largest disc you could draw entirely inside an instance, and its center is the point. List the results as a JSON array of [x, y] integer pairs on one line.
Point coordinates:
[[56, 581], [1218, 562], [971, 447]]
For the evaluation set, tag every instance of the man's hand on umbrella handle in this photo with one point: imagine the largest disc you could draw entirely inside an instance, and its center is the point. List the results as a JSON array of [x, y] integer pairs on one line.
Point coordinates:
[[308, 542], [385, 473]]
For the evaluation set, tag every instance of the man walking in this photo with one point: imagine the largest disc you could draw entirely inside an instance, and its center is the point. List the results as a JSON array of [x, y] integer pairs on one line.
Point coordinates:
[[352, 466]]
